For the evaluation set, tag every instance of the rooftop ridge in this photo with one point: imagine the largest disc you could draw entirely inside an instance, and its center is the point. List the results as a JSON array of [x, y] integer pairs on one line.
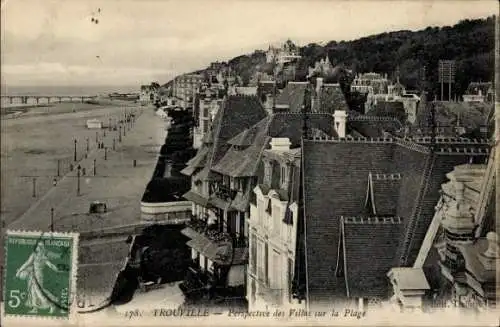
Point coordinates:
[[463, 150], [370, 118], [371, 220], [408, 143], [379, 140], [447, 140], [302, 114], [242, 95], [386, 176]]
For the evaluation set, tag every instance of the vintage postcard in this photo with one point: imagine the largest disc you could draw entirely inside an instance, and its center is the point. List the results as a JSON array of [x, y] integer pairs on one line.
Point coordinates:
[[257, 162]]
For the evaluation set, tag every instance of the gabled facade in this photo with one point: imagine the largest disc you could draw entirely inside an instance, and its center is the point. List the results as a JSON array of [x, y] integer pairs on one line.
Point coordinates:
[[148, 95], [185, 88], [372, 83], [479, 92], [323, 68], [274, 215], [286, 53], [207, 104]]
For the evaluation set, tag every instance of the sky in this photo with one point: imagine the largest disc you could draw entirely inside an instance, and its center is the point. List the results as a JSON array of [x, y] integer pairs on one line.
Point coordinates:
[[54, 42]]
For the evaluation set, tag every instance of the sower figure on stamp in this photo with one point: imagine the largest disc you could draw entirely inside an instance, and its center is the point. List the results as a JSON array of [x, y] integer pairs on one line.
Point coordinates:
[[32, 270]]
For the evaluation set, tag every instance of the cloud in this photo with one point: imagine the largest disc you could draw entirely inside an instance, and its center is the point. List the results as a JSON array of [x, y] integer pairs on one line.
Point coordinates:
[[160, 38]]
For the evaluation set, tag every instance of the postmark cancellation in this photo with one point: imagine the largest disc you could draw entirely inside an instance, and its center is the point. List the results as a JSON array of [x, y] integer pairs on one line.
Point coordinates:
[[40, 274]]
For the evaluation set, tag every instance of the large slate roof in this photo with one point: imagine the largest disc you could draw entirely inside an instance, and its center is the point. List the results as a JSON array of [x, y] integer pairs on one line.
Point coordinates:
[[242, 160], [330, 98], [364, 240], [237, 113], [373, 126], [336, 185], [293, 96]]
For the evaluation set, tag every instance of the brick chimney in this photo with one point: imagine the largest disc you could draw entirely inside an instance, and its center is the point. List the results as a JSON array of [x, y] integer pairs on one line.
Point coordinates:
[[458, 219], [319, 84], [491, 256], [340, 118]]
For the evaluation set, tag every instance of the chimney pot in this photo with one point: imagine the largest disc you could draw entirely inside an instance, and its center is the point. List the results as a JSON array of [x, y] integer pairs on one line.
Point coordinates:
[[339, 118], [319, 83], [280, 144], [493, 248]]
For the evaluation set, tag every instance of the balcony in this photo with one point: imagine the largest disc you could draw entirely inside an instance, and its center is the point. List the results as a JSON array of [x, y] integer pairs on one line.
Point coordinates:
[[223, 192], [210, 231]]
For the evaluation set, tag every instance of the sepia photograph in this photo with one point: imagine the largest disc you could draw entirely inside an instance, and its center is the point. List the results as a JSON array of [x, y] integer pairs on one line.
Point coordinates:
[[259, 162]]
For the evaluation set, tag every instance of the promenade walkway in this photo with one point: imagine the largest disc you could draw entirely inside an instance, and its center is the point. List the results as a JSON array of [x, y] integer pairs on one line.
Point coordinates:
[[119, 183]]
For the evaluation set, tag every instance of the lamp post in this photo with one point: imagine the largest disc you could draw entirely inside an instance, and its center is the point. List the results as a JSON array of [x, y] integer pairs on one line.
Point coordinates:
[[74, 156], [120, 133], [34, 187], [87, 139], [58, 167], [114, 144], [78, 180], [105, 153], [94, 166], [52, 220]]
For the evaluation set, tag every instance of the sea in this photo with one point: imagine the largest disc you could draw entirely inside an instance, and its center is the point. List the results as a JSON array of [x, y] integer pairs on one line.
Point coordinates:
[[75, 90], [63, 90]]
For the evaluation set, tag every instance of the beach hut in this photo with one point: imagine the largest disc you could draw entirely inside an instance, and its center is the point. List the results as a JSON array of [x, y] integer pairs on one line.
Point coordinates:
[[94, 124]]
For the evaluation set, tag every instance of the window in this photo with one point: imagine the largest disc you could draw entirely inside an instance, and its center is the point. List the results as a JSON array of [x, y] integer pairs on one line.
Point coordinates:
[[283, 176], [289, 234], [260, 261], [240, 184], [266, 264], [276, 219], [204, 125], [253, 255], [289, 278], [205, 109], [260, 208], [276, 271], [267, 172]]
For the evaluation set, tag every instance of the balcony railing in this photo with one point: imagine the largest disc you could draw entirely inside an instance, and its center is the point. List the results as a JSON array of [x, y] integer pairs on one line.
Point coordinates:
[[224, 192], [209, 230]]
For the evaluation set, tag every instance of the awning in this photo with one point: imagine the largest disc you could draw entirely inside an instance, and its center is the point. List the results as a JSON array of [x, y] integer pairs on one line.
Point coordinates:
[[189, 232], [199, 160], [208, 248], [196, 198], [188, 171], [219, 203]]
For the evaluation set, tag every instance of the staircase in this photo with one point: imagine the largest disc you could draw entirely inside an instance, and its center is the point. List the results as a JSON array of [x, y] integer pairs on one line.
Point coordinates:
[[487, 187], [410, 231]]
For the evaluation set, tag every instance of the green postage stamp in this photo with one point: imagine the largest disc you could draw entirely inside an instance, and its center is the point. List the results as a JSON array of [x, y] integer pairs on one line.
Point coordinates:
[[40, 274]]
